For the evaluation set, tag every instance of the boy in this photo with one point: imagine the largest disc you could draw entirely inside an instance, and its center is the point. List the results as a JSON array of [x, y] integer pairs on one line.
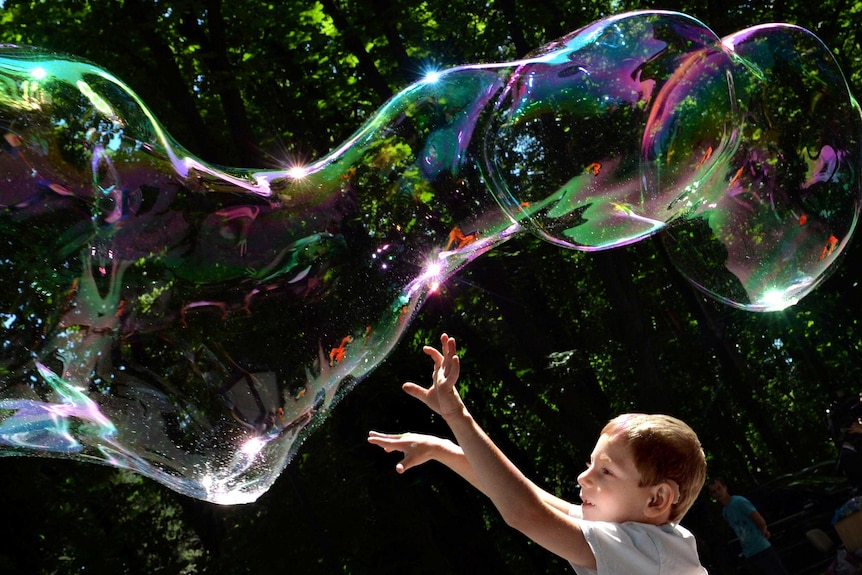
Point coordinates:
[[644, 474]]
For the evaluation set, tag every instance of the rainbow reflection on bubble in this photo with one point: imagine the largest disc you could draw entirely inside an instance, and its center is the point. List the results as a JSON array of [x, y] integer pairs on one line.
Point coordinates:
[[195, 323]]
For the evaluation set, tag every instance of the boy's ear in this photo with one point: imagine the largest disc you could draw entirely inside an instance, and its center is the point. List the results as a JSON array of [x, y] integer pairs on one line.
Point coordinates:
[[664, 495]]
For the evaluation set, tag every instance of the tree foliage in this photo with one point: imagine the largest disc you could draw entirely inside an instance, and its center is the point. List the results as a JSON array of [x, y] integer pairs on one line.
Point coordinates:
[[554, 342]]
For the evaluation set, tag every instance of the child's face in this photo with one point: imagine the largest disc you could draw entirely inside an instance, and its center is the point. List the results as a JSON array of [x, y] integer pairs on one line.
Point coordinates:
[[610, 488]]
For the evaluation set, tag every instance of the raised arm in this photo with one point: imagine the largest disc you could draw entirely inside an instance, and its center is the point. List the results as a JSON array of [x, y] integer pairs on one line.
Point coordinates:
[[523, 505]]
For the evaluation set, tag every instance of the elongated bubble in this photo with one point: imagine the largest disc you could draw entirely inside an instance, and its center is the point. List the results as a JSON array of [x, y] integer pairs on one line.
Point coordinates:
[[194, 323]]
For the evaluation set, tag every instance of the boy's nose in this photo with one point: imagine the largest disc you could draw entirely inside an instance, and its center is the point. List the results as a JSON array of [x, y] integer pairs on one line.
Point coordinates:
[[584, 477]]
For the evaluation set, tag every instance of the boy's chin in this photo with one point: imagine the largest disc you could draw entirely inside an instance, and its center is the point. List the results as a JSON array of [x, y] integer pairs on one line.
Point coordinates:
[[590, 512], [593, 513]]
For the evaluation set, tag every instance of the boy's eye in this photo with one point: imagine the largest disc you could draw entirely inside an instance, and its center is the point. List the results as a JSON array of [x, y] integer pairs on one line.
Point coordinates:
[[606, 471]]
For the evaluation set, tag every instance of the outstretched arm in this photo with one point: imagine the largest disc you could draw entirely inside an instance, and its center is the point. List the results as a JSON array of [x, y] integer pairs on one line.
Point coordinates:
[[523, 505], [419, 448]]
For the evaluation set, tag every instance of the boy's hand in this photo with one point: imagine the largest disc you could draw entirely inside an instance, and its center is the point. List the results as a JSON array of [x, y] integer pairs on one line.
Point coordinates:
[[417, 448], [441, 397]]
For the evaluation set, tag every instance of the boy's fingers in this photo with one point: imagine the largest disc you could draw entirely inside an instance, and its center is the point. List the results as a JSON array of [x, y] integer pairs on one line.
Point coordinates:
[[408, 462], [450, 346], [379, 442], [387, 442], [379, 438], [390, 443], [453, 368], [433, 353], [414, 390]]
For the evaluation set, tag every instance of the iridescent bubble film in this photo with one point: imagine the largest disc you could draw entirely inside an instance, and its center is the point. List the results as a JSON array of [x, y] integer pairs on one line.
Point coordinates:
[[194, 323]]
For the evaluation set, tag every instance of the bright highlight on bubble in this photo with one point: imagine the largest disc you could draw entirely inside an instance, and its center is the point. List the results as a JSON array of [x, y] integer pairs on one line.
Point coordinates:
[[297, 172], [195, 324]]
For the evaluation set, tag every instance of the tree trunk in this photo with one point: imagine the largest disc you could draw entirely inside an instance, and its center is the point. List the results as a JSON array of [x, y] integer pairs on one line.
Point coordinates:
[[736, 375], [633, 328], [165, 73], [215, 55], [355, 46]]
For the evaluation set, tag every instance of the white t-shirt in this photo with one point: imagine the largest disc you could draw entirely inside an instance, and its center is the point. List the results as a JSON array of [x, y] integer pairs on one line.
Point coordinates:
[[638, 548]]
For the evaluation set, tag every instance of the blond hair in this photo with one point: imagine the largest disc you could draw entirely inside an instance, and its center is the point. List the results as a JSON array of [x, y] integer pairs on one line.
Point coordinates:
[[663, 448]]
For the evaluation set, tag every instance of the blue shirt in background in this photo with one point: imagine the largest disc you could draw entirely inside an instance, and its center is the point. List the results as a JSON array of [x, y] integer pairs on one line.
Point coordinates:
[[738, 515]]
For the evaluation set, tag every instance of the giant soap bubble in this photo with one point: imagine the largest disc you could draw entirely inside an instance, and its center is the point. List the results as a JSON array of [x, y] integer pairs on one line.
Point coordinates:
[[193, 323]]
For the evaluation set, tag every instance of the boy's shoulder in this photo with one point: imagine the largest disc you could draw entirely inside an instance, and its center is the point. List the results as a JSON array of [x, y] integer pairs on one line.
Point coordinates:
[[642, 548]]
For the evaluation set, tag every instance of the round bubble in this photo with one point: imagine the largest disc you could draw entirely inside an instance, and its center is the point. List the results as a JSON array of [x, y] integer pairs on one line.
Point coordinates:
[[195, 323], [770, 223], [745, 151], [595, 139]]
